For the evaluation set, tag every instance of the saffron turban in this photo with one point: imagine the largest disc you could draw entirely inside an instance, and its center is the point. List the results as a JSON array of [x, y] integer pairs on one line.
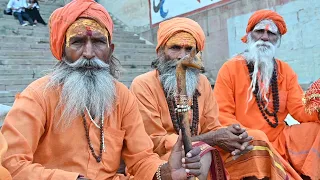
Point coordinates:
[[170, 27], [63, 17], [265, 14]]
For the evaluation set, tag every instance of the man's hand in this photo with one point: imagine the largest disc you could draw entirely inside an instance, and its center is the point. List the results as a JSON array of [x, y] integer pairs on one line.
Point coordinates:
[[181, 165], [233, 139]]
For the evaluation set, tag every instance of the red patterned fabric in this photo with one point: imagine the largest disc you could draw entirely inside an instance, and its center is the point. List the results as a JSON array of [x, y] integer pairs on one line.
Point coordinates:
[[312, 98]]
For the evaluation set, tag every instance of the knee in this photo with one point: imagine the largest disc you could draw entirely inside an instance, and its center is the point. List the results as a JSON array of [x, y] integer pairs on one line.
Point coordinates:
[[258, 135]]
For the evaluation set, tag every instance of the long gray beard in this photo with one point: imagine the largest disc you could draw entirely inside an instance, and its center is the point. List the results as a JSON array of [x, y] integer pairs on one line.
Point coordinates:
[[83, 88], [167, 69], [262, 58]]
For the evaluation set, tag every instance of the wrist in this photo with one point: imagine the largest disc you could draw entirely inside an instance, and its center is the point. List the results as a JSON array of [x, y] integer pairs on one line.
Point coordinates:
[[163, 172]]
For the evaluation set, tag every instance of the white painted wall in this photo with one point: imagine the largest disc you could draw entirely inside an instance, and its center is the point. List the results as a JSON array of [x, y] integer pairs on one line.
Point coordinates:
[[300, 46], [133, 13]]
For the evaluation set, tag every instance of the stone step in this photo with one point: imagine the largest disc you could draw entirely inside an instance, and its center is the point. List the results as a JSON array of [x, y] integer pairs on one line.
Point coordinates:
[[24, 81], [28, 39], [135, 46]]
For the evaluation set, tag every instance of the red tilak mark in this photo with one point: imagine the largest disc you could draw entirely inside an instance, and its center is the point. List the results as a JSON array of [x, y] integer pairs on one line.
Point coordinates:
[[267, 27], [89, 31]]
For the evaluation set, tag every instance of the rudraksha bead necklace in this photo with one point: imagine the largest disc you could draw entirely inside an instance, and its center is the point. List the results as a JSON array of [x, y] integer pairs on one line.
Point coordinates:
[[97, 157], [177, 117], [275, 96]]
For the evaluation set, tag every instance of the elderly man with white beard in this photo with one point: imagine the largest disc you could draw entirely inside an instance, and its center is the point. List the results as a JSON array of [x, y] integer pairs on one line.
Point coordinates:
[[156, 91], [79, 121], [258, 91]]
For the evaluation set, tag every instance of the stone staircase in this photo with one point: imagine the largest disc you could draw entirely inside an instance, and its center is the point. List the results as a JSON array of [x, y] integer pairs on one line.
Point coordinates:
[[25, 52]]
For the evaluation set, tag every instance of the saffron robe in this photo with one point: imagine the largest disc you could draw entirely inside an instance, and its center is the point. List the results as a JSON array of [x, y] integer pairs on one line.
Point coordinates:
[[297, 144], [263, 161], [4, 173], [37, 150]]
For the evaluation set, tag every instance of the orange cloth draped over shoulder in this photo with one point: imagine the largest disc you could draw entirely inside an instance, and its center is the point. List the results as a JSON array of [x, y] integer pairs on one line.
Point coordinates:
[[63, 17], [265, 14], [170, 27], [4, 173]]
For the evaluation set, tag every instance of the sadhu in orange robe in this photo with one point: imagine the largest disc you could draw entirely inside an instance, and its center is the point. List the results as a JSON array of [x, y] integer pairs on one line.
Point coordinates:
[[37, 150], [4, 173], [297, 144], [263, 161]]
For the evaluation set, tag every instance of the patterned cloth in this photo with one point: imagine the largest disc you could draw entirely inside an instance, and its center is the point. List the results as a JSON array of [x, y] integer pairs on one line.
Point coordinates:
[[312, 98]]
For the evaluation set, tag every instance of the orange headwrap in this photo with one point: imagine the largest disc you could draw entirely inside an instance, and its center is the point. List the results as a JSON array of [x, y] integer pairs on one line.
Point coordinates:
[[170, 27], [265, 14], [63, 17]]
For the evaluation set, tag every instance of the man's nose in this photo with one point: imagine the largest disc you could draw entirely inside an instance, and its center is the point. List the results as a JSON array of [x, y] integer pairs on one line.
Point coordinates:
[[182, 53], [88, 51], [265, 36]]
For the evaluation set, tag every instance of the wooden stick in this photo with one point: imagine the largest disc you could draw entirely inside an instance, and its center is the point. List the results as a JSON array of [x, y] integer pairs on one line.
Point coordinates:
[[190, 61]]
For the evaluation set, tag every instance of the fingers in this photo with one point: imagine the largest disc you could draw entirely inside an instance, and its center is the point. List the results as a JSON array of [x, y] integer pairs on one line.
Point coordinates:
[[236, 129], [194, 152], [243, 135], [194, 172], [178, 146]]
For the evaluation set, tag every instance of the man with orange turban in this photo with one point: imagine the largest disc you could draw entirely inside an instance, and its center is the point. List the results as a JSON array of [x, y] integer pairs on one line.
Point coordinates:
[[156, 92], [77, 122], [258, 91]]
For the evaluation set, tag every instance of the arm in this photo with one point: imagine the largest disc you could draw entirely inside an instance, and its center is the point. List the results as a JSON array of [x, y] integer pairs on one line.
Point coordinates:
[[294, 101], [23, 128], [149, 110], [137, 150], [225, 96]]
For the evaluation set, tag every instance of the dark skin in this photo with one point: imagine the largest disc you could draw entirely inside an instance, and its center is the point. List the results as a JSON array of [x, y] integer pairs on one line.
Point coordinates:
[[265, 35], [94, 44], [233, 139]]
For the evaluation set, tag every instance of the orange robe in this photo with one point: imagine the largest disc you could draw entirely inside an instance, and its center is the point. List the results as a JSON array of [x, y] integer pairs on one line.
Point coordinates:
[[264, 161], [4, 173], [298, 144], [39, 151]]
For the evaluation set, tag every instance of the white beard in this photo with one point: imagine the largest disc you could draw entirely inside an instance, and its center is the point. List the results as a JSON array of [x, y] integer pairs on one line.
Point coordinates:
[[83, 88], [167, 69], [261, 54]]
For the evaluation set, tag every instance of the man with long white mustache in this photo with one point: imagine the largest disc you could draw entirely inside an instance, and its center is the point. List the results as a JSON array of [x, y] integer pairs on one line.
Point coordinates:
[[258, 91], [79, 121], [156, 91]]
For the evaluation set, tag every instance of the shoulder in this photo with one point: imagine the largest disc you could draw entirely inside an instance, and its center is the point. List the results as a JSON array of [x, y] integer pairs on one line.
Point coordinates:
[[284, 68], [146, 78]]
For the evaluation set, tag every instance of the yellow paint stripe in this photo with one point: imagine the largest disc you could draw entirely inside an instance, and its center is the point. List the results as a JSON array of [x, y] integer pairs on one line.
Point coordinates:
[[262, 148]]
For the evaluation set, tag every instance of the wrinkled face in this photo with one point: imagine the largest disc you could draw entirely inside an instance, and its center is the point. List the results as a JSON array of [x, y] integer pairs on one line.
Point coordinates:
[[179, 45], [85, 38], [266, 31]]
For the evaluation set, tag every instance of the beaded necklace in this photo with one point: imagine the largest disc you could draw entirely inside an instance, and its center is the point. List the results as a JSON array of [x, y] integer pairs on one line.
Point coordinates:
[[102, 146], [177, 117], [275, 96]]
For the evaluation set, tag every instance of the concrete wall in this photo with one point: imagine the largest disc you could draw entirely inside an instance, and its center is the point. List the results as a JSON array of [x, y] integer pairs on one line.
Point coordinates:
[[300, 46], [225, 24], [133, 13]]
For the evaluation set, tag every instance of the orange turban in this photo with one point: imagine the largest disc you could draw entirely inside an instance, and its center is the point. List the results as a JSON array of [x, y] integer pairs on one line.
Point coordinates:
[[170, 27], [265, 14], [63, 17]]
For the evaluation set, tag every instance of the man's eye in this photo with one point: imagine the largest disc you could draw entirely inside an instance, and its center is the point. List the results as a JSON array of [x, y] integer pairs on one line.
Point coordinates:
[[260, 31], [175, 47], [189, 49], [271, 33], [76, 42]]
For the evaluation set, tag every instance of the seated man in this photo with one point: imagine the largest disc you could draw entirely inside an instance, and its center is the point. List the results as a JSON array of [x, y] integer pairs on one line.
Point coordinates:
[[156, 92], [78, 122], [258, 91], [18, 10], [4, 174]]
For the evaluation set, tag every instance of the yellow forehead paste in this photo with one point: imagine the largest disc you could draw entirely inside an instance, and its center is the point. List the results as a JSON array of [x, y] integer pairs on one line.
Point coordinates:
[[83, 27], [182, 39]]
